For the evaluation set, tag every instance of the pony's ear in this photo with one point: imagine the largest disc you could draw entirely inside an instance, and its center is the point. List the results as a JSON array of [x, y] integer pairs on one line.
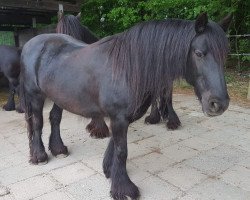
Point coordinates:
[[60, 15], [225, 22], [201, 23], [78, 16]]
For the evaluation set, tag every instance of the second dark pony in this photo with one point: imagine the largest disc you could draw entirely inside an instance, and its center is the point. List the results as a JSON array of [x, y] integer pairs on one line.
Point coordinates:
[[10, 67], [71, 25]]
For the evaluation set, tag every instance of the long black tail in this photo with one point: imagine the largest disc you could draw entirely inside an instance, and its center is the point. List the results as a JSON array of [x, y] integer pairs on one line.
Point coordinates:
[[22, 92], [25, 103]]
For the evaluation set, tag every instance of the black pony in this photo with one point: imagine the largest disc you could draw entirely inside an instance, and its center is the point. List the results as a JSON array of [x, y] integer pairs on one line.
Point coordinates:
[[118, 77], [10, 67]]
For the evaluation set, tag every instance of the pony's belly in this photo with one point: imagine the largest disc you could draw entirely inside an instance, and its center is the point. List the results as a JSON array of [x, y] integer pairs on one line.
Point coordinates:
[[86, 108], [88, 112]]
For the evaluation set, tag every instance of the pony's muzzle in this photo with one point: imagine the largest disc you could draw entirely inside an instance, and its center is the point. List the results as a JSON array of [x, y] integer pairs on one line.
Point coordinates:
[[216, 106]]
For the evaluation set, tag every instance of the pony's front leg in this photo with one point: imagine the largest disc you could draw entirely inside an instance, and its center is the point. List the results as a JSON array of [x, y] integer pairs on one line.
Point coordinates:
[[10, 105], [121, 185], [34, 118], [56, 145]]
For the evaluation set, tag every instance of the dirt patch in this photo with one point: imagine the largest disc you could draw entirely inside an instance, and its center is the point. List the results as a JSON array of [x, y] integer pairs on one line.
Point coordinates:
[[3, 97], [238, 84]]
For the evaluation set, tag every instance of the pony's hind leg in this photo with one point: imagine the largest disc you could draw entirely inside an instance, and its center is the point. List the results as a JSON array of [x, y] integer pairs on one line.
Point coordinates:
[[34, 118], [167, 111], [98, 128], [154, 116], [56, 145], [10, 105], [121, 185], [19, 107], [173, 119]]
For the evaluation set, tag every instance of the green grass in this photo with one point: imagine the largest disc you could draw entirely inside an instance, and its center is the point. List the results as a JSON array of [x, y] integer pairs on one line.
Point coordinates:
[[182, 84], [7, 38], [230, 78]]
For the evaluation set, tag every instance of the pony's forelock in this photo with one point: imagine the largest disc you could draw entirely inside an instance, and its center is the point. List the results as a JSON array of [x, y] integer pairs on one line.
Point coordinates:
[[217, 42]]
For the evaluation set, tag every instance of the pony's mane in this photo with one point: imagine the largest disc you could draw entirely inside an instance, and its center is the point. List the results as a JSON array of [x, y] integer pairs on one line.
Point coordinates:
[[70, 25], [217, 42], [152, 54]]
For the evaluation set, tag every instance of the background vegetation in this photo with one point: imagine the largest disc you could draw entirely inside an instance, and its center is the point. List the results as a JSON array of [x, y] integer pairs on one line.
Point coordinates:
[[106, 17], [7, 38]]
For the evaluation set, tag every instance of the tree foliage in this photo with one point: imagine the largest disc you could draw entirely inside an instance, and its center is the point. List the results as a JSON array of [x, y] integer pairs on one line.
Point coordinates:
[[106, 17]]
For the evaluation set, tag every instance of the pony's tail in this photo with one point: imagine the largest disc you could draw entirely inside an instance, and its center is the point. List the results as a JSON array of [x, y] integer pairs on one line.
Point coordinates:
[[21, 93], [19, 50], [25, 103]]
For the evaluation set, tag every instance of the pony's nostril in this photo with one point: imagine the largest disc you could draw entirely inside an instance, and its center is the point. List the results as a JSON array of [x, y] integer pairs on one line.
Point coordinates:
[[214, 106]]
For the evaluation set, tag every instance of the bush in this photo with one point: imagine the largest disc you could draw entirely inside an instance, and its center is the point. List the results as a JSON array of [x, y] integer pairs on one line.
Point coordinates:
[[107, 17]]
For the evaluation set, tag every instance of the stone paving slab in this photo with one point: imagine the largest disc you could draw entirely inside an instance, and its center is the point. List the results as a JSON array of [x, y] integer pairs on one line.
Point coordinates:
[[205, 159]]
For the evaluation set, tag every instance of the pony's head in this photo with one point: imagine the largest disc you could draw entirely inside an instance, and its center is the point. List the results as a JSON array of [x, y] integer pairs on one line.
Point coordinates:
[[71, 25], [205, 69]]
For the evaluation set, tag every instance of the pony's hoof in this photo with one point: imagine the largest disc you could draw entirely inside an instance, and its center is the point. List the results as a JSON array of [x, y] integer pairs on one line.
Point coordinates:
[[59, 152], [19, 109], [62, 156], [90, 127], [99, 133], [39, 158], [42, 163], [98, 130], [8, 108], [122, 191], [173, 124], [152, 120]]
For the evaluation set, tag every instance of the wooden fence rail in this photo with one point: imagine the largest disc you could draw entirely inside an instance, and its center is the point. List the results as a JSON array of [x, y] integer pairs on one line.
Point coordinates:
[[241, 54]]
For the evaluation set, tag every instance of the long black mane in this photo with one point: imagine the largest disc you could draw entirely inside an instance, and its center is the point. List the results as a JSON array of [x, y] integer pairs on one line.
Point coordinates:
[[71, 25], [152, 54]]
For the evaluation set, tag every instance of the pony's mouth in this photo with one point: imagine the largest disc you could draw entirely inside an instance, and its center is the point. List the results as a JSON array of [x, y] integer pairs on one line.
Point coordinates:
[[211, 114], [214, 107]]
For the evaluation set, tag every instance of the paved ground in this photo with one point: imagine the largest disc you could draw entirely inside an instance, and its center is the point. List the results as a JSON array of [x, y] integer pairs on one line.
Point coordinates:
[[207, 158]]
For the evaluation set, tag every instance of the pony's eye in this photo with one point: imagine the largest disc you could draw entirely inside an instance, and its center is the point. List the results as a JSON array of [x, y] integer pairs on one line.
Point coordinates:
[[199, 53]]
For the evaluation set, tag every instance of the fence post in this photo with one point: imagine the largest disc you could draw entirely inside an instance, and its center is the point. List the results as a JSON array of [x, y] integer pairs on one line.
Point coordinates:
[[60, 11], [248, 93], [242, 54]]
